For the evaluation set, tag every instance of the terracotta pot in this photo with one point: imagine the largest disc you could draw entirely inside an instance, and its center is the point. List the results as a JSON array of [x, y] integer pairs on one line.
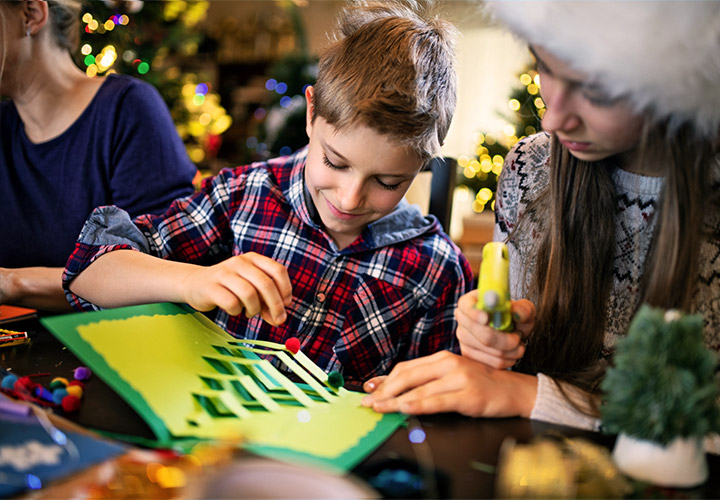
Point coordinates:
[[682, 463]]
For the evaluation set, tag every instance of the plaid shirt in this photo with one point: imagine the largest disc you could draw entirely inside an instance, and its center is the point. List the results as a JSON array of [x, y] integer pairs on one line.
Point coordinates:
[[387, 297]]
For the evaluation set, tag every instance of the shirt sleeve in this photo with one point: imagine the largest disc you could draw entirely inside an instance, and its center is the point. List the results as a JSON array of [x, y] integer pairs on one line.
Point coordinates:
[[551, 405], [195, 230], [150, 165]]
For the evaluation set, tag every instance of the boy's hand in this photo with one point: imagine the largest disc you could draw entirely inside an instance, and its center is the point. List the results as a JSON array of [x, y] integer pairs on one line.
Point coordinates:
[[482, 343], [445, 382], [250, 282]]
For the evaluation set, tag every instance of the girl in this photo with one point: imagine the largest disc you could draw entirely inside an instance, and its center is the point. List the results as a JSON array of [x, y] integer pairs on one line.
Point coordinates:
[[613, 205]]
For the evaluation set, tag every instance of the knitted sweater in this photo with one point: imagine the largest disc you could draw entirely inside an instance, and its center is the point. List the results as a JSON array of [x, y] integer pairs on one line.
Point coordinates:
[[525, 174]]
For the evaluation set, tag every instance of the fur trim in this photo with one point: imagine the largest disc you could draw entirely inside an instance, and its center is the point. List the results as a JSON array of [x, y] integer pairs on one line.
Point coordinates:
[[663, 55]]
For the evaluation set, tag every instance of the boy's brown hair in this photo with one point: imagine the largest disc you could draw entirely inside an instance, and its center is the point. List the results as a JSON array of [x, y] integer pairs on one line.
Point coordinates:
[[390, 67]]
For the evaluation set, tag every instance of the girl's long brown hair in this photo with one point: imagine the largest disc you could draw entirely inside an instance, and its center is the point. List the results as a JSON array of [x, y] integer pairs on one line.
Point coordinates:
[[573, 270]]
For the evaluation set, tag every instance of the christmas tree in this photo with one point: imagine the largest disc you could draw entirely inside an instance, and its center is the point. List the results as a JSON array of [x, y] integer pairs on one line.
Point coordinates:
[[479, 174], [159, 42], [662, 385]]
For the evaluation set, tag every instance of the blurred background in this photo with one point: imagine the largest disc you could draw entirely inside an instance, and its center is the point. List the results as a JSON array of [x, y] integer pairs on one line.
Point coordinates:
[[233, 74]]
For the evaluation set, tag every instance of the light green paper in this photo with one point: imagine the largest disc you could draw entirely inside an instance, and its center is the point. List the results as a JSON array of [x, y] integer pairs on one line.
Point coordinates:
[[156, 357]]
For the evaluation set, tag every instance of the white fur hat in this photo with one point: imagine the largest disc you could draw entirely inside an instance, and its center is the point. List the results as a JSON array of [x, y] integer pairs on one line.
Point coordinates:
[[663, 55]]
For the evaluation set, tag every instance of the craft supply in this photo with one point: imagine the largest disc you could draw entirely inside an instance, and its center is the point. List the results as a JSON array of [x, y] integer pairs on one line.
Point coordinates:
[[11, 337], [15, 313], [292, 344], [82, 373], [494, 286], [206, 384], [11, 407], [58, 382], [336, 380], [61, 394]]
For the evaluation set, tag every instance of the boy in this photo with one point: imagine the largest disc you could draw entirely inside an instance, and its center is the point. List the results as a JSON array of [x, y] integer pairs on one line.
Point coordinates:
[[318, 245]]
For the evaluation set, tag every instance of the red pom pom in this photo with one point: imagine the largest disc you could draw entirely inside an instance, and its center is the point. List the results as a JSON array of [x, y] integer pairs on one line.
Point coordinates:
[[76, 382], [70, 403], [24, 385], [292, 344]]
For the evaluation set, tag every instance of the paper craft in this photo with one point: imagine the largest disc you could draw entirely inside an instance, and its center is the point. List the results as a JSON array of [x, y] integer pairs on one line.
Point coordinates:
[[33, 452], [14, 313], [189, 379]]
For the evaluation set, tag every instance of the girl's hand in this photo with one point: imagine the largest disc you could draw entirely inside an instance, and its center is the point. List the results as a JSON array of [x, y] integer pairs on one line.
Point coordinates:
[[445, 382], [482, 343], [250, 282]]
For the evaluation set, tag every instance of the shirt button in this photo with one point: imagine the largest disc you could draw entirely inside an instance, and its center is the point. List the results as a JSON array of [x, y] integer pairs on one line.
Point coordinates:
[[320, 297]]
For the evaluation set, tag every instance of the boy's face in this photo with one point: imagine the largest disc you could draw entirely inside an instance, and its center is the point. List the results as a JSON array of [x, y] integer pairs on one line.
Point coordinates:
[[355, 176]]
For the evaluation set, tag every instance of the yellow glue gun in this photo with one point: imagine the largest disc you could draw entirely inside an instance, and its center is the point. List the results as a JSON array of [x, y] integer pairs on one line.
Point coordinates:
[[494, 286]]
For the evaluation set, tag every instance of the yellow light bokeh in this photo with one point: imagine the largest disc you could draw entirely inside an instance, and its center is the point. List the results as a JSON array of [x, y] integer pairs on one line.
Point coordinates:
[[221, 124], [204, 119], [484, 195], [514, 104]]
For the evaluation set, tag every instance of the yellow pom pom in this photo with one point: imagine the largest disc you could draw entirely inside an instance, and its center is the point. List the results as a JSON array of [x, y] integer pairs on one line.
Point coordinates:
[[75, 390]]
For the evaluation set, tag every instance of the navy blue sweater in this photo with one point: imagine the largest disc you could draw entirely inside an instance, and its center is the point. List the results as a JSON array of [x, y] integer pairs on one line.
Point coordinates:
[[123, 150]]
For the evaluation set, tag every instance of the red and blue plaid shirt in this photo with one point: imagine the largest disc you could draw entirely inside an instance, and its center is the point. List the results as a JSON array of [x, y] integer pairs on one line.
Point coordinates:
[[387, 297]]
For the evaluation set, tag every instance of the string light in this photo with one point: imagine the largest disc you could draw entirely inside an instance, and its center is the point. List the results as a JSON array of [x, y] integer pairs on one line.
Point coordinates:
[[204, 119], [489, 167]]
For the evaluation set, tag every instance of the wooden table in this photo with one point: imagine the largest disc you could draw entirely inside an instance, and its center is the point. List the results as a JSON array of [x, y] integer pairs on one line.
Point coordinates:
[[462, 451]]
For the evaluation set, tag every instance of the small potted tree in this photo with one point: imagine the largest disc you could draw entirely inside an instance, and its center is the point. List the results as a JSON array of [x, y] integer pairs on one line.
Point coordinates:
[[660, 397]]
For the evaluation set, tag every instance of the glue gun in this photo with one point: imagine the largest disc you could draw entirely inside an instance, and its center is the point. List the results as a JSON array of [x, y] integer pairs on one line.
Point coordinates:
[[494, 286]]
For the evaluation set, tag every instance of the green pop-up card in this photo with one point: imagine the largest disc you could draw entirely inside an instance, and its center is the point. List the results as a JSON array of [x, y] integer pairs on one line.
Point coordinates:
[[189, 379]]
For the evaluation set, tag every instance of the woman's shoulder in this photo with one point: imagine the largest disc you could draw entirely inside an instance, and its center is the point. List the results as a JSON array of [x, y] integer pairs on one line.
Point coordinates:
[[530, 151], [127, 90], [526, 167]]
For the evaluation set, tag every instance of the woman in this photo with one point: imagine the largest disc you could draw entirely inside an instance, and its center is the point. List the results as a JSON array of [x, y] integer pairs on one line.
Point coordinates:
[[614, 205], [69, 143]]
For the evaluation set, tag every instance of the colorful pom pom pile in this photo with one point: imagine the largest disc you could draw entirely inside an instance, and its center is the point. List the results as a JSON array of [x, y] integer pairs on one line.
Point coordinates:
[[60, 393]]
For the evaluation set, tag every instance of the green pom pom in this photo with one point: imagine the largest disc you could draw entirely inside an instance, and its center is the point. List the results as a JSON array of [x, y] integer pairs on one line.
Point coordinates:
[[336, 380]]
